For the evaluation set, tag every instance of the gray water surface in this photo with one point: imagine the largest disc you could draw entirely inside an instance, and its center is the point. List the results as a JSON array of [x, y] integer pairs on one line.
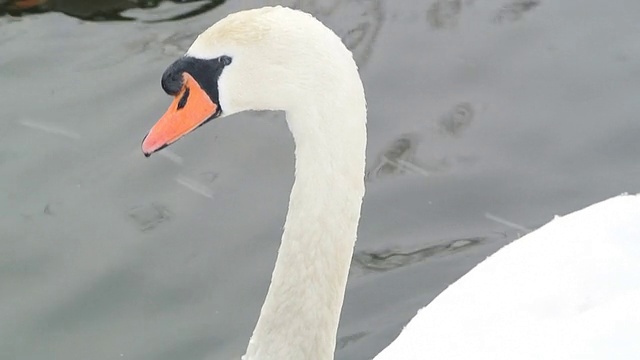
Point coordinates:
[[486, 118]]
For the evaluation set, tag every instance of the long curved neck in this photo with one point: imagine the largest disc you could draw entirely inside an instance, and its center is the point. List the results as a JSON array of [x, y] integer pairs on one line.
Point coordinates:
[[299, 318]]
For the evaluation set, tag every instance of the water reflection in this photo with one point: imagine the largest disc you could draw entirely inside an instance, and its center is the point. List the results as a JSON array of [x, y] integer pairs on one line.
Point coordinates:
[[149, 216], [396, 158], [515, 10], [349, 339], [400, 156], [385, 260], [456, 120], [98, 10], [443, 14]]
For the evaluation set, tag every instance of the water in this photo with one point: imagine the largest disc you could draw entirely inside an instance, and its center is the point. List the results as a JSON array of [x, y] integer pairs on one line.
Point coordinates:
[[486, 119]]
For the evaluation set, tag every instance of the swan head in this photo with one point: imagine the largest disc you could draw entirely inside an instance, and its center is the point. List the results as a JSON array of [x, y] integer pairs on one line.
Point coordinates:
[[273, 58]]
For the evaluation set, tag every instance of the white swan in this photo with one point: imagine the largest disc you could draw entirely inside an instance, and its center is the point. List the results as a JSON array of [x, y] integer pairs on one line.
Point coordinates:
[[544, 294]]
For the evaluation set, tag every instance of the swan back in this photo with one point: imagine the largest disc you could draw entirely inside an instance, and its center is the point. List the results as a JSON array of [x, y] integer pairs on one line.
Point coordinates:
[[569, 290]]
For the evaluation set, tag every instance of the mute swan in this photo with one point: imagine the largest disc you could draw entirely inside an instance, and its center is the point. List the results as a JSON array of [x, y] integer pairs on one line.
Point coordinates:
[[543, 296]]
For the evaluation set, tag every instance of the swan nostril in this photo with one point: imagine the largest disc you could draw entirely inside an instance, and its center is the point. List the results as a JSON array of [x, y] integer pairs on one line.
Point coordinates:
[[173, 78], [225, 60], [183, 99]]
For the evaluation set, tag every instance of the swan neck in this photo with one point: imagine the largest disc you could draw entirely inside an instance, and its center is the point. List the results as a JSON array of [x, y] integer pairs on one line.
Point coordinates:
[[299, 319]]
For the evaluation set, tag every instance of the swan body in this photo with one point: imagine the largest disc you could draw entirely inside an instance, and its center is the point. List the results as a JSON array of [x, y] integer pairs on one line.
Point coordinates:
[[569, 290], [563, 277]]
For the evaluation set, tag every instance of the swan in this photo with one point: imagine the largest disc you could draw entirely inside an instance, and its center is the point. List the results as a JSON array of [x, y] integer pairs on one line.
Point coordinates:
[[567, 290]]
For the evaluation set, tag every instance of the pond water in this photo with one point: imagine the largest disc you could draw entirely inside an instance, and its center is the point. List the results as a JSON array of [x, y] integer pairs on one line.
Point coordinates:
[[486, 119]]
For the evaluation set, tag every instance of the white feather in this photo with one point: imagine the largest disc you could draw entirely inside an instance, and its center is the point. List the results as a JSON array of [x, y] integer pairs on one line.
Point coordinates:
[[569, 290]]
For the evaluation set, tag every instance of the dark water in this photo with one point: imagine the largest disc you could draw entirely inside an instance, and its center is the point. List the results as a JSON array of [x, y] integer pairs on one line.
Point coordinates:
[[486, 119]]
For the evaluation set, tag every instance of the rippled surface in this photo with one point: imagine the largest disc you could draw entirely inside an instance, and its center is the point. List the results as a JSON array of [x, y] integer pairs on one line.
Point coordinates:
[[486, 119]]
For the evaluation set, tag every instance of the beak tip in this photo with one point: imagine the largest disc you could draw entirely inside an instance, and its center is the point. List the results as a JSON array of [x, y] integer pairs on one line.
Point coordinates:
[[145, 147], [148, 149]]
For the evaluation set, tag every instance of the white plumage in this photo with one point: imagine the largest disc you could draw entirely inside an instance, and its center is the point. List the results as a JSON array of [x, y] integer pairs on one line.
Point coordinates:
[[570, 290]]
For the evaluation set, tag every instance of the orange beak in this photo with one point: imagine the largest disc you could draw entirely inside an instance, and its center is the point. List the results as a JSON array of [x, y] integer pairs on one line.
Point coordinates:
[[27, 4], [191, 108]]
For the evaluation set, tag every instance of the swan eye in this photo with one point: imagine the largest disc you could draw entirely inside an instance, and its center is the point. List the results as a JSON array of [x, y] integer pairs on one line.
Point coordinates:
[[225, 60], [183, 99]]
